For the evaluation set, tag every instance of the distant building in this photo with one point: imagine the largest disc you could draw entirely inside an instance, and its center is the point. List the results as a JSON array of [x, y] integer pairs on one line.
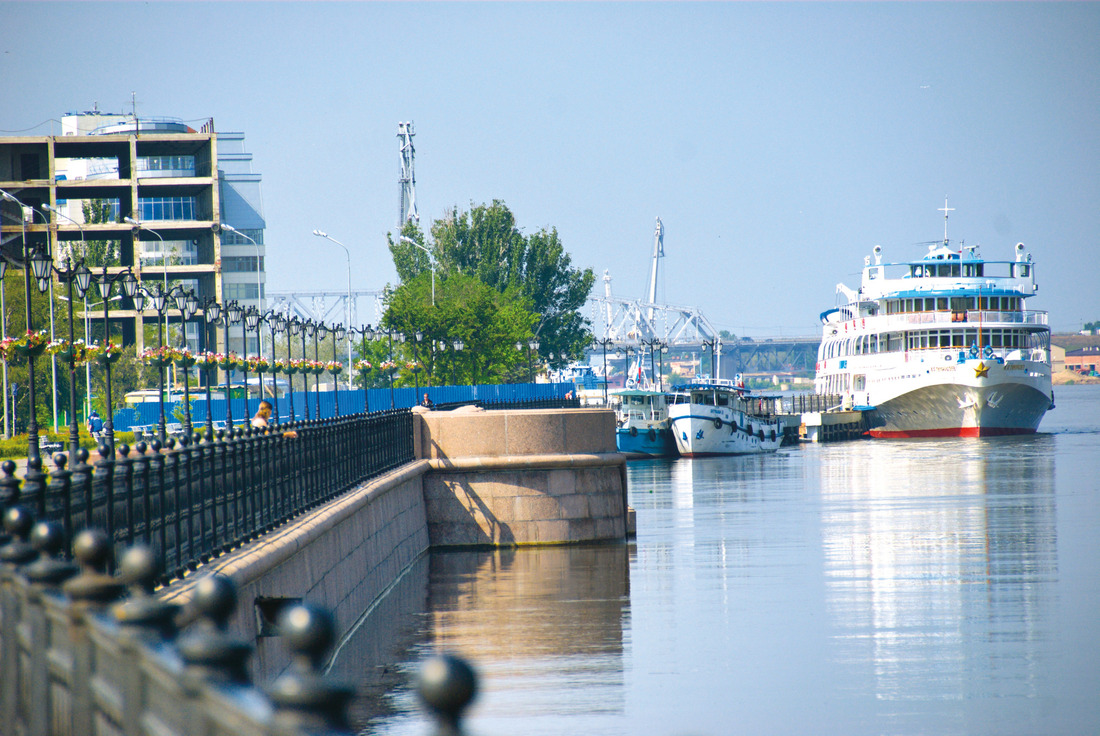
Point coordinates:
[[1084, 360], [178, 183]]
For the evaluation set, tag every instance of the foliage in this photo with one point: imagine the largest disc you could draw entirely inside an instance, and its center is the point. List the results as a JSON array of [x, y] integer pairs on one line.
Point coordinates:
[[16, 446], [488, 322], [1092, 326], [100, 252], [486, 244]]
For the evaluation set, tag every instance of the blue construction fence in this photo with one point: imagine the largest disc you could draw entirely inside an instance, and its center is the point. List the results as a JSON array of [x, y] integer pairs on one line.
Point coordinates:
[[147, 414]]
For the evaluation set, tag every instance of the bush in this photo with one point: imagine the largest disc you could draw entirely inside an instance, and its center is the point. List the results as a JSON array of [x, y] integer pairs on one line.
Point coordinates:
[[16, 447]]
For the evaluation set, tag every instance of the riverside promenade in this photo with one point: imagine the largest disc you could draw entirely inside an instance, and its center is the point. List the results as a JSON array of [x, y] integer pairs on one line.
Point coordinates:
[[79, 656]]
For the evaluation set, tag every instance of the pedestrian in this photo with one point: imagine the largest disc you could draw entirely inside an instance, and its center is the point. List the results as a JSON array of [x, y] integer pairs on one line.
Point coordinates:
[[427, 402], [95, 424], [263, 413]]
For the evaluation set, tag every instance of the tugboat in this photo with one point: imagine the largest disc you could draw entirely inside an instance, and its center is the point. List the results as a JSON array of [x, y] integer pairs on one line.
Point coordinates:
[[641, 417], [940, 346]]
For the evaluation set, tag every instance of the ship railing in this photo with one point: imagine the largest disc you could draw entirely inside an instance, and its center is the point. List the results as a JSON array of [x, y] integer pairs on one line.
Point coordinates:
[[945, 317]]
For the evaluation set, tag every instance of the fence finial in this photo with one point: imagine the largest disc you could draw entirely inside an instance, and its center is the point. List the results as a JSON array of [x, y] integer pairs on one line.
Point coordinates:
[[447, 685]]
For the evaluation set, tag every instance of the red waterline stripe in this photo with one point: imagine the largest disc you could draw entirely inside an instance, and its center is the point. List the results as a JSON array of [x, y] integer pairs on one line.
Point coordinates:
[[951, 432]]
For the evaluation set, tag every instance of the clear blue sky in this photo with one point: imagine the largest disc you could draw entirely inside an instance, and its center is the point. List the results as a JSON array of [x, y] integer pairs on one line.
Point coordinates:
[[778, 142]]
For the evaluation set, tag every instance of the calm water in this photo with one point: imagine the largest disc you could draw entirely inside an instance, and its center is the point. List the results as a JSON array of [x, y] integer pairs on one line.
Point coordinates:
[[877, 587]]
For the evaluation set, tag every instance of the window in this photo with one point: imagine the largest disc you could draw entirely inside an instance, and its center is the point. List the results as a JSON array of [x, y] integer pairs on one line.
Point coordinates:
[[167, 208], [237, 264], [242, 291]]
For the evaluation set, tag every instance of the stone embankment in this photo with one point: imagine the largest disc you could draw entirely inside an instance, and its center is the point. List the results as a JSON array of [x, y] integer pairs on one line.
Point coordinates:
[[481, 478]]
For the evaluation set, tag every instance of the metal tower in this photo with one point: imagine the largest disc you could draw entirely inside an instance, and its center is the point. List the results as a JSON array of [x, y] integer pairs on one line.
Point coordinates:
[[407, 210]]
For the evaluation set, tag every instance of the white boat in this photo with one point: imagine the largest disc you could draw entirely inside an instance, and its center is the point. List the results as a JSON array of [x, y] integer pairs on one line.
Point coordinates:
[[940, 346], [718, 417]]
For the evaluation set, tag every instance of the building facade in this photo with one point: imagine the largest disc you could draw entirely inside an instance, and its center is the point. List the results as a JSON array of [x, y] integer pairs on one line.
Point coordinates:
[[176, 184]]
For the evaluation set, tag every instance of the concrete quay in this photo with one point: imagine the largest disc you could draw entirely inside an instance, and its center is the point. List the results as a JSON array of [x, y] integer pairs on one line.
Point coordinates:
[[480, 478]]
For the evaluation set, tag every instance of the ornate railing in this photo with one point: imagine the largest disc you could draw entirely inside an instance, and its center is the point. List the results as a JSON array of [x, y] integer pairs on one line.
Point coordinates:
[[83, 651], [195, 498]]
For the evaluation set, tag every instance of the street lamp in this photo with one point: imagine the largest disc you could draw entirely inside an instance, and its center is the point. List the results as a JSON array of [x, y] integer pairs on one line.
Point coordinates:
[[347, 306], [277, 324], [416, 360], [711, 345], [40, 263], [431, 260], [338, 334], [293, 326], [259, 289], [212, 311], [162, 301], [231, 315], [105, 282], [603, 343], [318, 328], [163, 255], [307, 330], [79, 277], [458, 345], [532, 346], [251, 323]]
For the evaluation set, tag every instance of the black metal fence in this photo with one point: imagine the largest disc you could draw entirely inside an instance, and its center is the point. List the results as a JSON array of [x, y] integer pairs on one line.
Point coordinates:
[[196, 498], [83, 651]]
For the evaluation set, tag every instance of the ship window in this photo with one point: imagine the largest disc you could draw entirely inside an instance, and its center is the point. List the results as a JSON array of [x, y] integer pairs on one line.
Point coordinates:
[[941, 304], [996, 338], [723, 400], [1023, 270], [983, 303]]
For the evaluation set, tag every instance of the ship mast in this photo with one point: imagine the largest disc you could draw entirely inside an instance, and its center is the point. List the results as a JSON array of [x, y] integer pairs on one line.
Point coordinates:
[[658, 253], [945, 209]]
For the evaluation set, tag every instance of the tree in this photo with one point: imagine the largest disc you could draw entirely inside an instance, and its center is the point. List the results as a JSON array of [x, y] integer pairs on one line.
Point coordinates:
[[100, 252], [486, 244], [488, 322]]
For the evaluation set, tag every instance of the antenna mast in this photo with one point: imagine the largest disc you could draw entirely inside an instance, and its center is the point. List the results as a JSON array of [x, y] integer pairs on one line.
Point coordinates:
[[407, 181], [945, 209]]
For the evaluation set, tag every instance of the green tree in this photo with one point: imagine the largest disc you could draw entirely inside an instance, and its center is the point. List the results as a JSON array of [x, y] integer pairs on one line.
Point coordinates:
[[488, 322], [486, 244], [100, 252]]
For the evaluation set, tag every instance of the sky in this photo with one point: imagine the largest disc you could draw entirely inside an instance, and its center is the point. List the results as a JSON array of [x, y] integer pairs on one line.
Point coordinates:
[[778, 142]]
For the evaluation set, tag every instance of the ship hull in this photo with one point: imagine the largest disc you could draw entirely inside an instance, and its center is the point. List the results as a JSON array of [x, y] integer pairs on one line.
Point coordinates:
[[966, 408], [702, 431], [652, 442]]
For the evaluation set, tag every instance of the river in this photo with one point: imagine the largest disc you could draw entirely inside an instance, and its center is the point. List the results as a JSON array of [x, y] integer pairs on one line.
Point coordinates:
[[872, 587]]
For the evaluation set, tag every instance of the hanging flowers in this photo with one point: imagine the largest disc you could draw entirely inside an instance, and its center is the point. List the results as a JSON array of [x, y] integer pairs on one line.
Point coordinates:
[[362, 366], [258, 364], [161, 357], [30, 345], [387, 365], [184, 358], [412, 365], [104, 354], [76, 351], [279, 366], [206, 360], [334, 367], [228, 361]]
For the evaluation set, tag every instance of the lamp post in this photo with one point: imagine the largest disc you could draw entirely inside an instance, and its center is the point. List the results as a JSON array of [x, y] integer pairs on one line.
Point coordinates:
[[338, 334], [231, 315], [43, 264], [416, 360], [161, 300], [251, 323], [347, 306], [318, 328], [275, 322], [259, 287], [105, 282], [603, 343], [457, 345], [293, 326], [211, 312], [83, 254], [188, 304], [79, 277], [308, 328], [532, 346], [163, 253]]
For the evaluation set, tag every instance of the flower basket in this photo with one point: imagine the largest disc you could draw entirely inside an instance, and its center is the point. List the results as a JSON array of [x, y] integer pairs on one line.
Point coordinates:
[[30, 345], [206, 361], [104, 354], [77, 351], [185, 360], [334, 367], [161, 357], [228, 362], [363, 366], [257, 364], [290, 369]]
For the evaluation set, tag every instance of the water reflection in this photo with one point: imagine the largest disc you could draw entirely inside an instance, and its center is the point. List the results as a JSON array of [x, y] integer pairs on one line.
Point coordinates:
[[545, 626], [934, 556]]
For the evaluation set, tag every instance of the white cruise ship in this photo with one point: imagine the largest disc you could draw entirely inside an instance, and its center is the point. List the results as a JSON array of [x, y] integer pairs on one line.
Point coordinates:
[[940, 346]]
